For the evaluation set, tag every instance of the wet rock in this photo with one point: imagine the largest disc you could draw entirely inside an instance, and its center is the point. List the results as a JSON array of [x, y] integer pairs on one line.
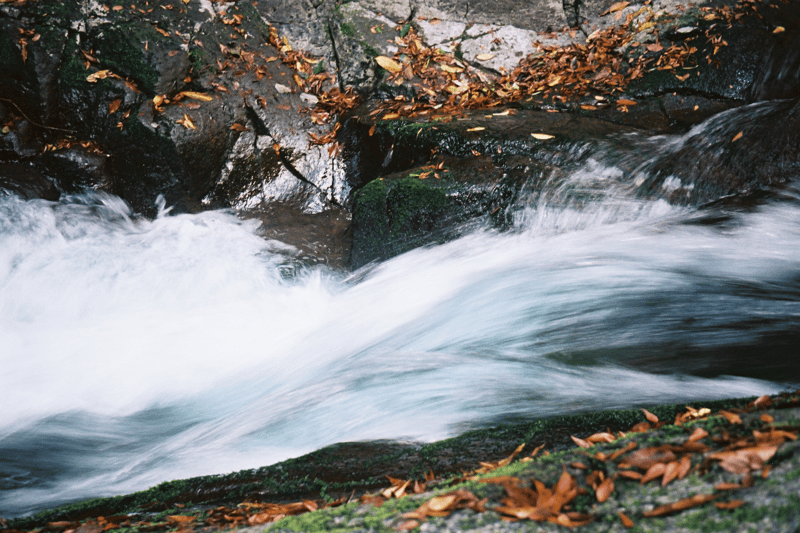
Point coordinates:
[[483, 162], [736, 153], [24, 180]]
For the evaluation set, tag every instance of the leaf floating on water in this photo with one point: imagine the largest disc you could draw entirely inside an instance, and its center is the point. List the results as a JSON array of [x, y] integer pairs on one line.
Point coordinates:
[[737, 137], [543, 137], [389, 64]]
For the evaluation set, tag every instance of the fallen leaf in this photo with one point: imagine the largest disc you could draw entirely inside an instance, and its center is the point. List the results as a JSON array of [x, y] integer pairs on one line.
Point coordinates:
[[733, 504], [196, 96], [779, 29], [114, 105], [737, 137], [697, 434], [580, 442], [99, 75], [627, 522], [544, 137], [605, 490], [654, 472], [478, 128], [238, 127], [389, 64], [617, 7], [680, 505], [655, 47], [624, 101], [484, 57]]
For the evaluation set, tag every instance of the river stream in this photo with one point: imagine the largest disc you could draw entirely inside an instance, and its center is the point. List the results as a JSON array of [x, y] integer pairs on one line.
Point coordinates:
[[135, 351]]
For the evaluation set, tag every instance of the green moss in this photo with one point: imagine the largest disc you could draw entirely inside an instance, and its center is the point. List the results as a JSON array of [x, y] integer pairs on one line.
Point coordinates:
[[347, 29], [11, 63], [117, 48]]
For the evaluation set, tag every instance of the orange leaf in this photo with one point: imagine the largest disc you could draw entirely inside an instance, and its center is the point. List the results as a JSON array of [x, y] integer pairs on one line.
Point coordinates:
[[733, 504], [684, 466], [737, 137], [625, 101], [238, 127], [627, 522], [389, 64], [580, 442], [654, 47], [113, 106], [680, 505], [601, 437], [654, 472], [670, 473], [697, 434], [604, 490], [731, 417], [630, 474], [653, 419]]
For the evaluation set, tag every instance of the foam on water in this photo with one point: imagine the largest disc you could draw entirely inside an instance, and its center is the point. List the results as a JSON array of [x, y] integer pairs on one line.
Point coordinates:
[[137, 351]]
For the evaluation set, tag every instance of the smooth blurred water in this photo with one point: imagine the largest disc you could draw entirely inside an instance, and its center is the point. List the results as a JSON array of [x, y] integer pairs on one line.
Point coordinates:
[[136, 351]]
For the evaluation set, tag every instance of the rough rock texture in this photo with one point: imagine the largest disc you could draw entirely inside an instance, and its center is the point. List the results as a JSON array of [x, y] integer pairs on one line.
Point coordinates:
[[132, 131]]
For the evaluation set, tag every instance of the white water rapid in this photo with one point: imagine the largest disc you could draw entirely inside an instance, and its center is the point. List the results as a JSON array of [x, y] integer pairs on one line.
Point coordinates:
[[136, 351]]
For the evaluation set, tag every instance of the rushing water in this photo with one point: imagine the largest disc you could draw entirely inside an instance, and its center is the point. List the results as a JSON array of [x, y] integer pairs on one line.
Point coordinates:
[[136, 351]]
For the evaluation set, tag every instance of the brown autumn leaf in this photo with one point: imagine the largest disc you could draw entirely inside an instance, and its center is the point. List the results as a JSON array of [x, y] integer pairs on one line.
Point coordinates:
[[389, 64], [619, 6], [239, 127], [630, 474], [697, 434], [600, 437], [670, 472], [625, 101], [684, 465], [655, 47], [743, 460], [580, 442], [680, 505], [627, 522], [653, 419], [99, 75], [732, 418], [196, 96], [779, 29], [605, 490], [654, 472], [647, 457], [114, 106], [733, 504], [737, 137], [187, 122]]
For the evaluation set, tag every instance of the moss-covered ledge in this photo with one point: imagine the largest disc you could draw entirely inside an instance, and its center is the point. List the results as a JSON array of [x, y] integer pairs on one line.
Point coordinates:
[[345, 469]]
